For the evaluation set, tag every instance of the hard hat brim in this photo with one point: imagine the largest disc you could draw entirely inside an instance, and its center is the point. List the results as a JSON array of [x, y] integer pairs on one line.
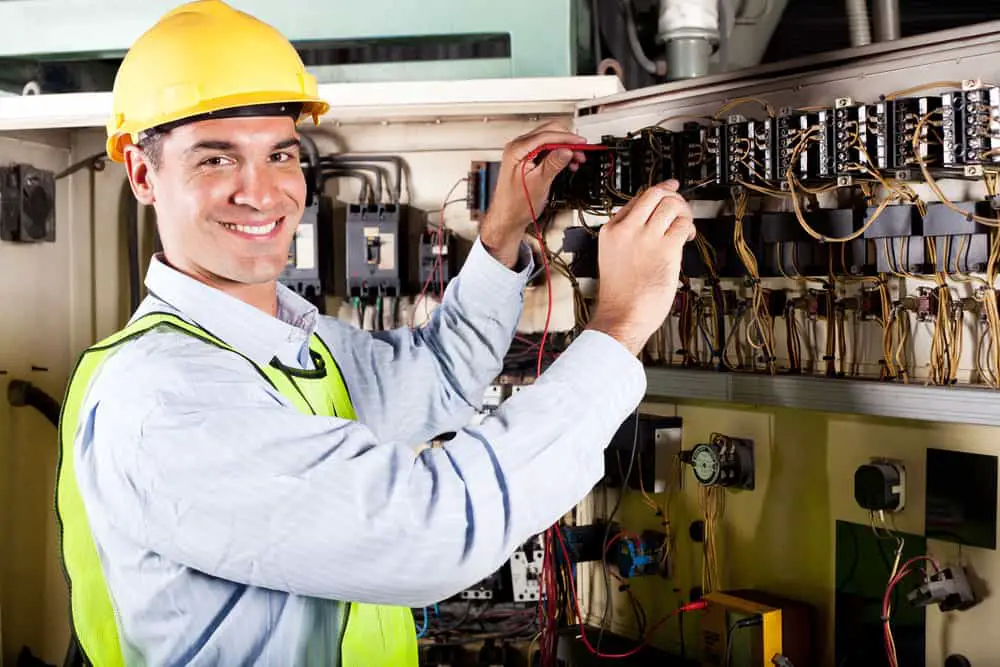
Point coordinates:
[[242, 105]]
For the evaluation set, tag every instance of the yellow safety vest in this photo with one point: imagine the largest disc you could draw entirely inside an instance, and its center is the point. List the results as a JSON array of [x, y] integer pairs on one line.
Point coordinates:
[[373, 635]]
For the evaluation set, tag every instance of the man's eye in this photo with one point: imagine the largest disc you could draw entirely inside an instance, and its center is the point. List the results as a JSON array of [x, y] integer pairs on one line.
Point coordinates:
[[214, 161], [282, 156]]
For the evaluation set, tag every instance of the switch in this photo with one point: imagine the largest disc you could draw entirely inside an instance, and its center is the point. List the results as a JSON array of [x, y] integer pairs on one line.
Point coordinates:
[[373, 246]]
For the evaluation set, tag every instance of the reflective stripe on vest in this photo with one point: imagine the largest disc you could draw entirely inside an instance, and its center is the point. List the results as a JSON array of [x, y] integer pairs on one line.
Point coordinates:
[[374, 635]]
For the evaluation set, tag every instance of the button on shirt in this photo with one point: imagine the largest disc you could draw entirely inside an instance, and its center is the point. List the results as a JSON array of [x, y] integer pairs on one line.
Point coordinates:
[[229, 524]]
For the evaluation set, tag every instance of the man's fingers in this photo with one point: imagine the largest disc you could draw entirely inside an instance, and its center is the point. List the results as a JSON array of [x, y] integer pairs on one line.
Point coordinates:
[[681, 231], [670, 208], [622, 213], [646, 203]]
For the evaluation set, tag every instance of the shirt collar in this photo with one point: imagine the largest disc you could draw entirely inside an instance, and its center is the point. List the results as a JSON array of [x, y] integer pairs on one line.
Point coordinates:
[[243, 327]]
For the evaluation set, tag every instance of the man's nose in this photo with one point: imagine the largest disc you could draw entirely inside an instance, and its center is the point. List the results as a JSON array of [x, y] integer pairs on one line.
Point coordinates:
[[258, 188]]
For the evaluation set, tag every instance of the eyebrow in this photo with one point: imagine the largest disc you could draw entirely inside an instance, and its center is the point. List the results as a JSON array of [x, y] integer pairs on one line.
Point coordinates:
[[217, 145]]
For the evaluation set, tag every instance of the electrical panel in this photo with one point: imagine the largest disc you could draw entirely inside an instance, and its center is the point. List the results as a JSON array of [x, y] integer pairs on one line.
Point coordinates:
[[377, 250], [27, 204]]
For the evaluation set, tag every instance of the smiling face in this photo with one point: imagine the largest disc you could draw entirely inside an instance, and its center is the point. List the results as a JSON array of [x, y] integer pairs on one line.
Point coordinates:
[[229, 194]]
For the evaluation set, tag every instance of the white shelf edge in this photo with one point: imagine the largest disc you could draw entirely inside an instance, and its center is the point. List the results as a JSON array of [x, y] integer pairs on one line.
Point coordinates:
[[961, 405], [372, 100]]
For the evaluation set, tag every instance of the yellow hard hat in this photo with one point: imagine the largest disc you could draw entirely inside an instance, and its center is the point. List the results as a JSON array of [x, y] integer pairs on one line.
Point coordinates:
[[205, 57]]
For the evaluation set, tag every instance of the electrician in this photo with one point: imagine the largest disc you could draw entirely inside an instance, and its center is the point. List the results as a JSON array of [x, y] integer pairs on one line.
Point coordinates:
[[240, 478]]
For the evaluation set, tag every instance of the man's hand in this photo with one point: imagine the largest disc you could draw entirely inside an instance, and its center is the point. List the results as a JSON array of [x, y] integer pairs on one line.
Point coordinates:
[[639, 260], [503, 227]]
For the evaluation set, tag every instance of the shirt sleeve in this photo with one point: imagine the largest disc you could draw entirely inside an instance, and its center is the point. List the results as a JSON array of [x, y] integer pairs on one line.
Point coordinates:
[[198, 460], [419, 383]]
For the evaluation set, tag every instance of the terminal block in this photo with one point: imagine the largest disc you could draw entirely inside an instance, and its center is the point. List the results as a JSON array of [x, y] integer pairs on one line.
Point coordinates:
[[750, 152], [814, 131], [970, 126]]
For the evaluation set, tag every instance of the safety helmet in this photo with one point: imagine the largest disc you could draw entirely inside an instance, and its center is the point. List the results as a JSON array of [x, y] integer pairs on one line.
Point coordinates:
[[206, 59]]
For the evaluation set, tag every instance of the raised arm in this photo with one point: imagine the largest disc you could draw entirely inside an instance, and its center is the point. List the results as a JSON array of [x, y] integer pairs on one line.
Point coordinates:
[[206, 466], [441, 370]]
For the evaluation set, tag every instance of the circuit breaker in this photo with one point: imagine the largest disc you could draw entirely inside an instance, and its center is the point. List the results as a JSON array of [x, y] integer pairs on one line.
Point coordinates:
[[302, 272], [27, 204], [526, 571], [376, 250]]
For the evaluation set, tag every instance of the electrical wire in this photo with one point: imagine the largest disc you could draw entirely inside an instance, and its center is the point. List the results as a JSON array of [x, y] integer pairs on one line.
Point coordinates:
[[607, 528], [903, 572], [711, 501], [438, 237], [548, 580]]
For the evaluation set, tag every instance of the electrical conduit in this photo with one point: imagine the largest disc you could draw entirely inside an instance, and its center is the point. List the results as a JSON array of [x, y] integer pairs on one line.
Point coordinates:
[[857, 21], [690, 29]]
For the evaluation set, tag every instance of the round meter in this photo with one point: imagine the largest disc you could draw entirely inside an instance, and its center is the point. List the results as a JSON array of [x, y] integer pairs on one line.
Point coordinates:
[[706, 464]]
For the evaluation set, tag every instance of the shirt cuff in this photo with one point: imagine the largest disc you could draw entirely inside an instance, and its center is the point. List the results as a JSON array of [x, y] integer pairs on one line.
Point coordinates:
[[482, 273]]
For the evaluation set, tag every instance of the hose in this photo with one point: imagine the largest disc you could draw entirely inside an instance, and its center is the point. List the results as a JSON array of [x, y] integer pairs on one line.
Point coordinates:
[[354, 165], [633, 39], [366, 185], [857, 21], [21, 393], [394, 159]]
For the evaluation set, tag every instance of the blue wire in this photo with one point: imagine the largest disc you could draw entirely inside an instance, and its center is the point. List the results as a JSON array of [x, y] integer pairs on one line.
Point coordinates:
[[423, 627]]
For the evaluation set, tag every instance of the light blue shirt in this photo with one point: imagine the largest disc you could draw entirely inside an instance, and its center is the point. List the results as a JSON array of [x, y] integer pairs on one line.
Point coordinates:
[[229, 524]]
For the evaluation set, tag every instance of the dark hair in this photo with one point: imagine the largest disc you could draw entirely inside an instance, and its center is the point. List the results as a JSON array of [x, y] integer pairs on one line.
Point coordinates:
[[151, 145], [150, 141]]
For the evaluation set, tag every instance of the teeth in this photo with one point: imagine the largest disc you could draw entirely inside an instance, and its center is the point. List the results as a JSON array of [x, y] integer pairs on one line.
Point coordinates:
[[256, 230]]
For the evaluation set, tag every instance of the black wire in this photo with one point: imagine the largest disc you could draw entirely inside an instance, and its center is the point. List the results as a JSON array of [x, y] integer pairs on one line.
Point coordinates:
[[742, 623], [607, 533], [680, 630], [315, 187]]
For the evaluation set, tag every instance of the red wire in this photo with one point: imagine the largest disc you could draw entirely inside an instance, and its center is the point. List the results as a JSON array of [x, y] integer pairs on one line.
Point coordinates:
[[691, 606], [900, 575], [548, 579], [545, 263]]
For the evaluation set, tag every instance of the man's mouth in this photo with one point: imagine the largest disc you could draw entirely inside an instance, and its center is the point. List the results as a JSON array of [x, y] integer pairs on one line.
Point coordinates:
[[256, 230]]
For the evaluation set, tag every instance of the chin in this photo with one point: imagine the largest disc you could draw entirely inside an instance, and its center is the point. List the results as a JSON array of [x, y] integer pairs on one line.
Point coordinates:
[[255, 272]]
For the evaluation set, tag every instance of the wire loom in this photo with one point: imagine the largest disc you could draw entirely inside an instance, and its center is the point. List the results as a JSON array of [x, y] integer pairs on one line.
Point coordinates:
[[827, 197]]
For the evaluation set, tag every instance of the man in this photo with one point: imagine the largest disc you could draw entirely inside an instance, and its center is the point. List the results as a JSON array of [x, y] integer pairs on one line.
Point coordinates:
[[239, 481]]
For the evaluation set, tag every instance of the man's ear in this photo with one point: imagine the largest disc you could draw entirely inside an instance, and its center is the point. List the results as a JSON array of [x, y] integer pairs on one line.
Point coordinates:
[[139, 170]]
